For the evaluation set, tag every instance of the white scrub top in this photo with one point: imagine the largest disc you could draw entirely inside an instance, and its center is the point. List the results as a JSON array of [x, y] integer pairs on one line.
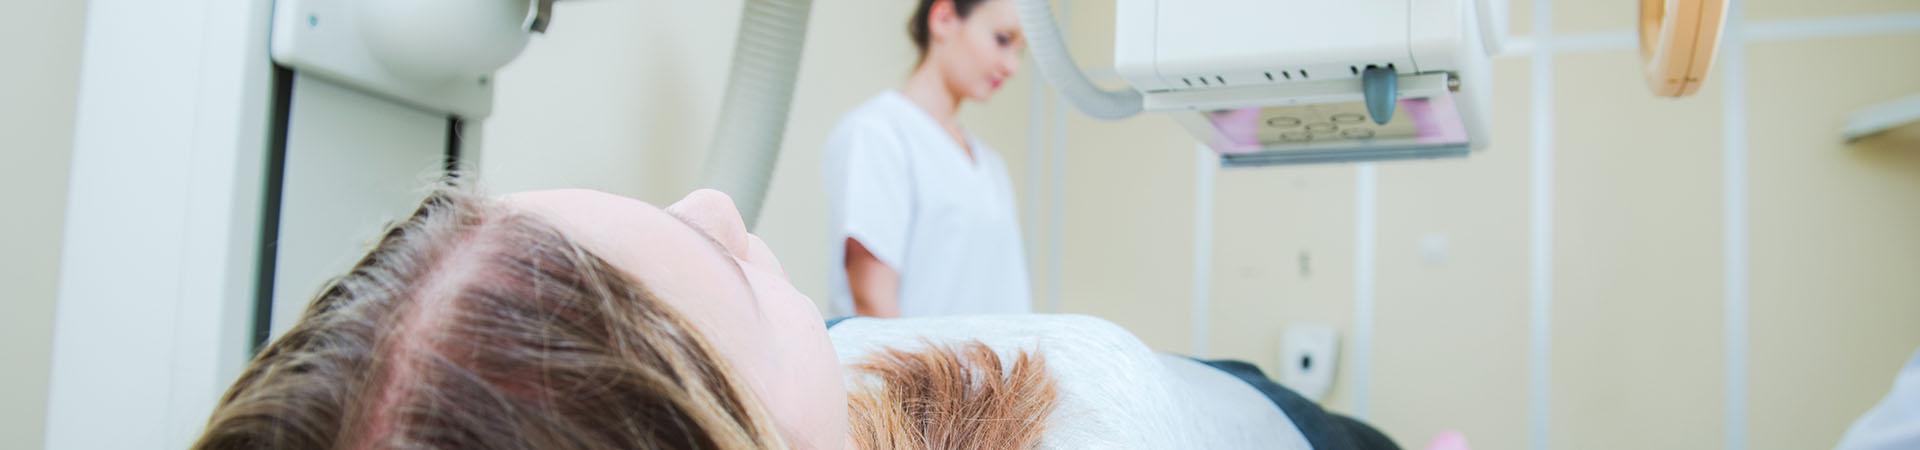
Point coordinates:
[[1895, 423], [899, 184]]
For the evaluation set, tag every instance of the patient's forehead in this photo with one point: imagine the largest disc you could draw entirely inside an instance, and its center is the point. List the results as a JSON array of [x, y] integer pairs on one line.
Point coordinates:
[[679, 264], [634, 236], [576, 208], [604, 223]]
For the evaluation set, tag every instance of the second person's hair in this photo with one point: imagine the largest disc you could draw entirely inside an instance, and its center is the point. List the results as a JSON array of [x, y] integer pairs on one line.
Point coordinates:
[[921, 32]]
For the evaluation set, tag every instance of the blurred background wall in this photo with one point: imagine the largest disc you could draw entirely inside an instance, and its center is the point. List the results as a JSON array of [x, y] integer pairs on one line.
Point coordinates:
[[1635, 213], [1630, 195], [37, 100]]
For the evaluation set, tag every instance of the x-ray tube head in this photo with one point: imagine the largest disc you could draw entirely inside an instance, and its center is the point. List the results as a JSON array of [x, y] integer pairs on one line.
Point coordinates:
[[1326, 122], [1305, 81]]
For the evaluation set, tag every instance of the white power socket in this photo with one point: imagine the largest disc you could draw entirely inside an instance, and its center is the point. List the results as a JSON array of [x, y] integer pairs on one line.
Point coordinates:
[[1309, 358]]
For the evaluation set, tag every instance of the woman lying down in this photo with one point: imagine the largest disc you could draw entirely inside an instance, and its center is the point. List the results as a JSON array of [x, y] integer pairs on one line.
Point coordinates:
[[583, 320]]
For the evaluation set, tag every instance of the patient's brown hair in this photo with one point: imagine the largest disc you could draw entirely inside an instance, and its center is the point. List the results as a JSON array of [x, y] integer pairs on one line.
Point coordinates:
[[470, 326], [952, 398]]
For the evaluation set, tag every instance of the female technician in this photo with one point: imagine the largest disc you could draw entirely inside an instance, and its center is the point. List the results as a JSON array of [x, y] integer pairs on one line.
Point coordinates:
[[922, 212]]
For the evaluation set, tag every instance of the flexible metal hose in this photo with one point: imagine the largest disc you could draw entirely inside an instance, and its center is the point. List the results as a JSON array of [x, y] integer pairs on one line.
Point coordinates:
[[753, 115], [1050, 54]]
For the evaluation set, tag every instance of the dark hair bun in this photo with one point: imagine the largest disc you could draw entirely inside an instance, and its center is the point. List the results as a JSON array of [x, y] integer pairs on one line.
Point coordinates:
[[917, 28]]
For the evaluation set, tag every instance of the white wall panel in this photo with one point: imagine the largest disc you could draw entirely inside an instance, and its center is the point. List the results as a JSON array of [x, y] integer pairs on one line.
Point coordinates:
[[354, 163]]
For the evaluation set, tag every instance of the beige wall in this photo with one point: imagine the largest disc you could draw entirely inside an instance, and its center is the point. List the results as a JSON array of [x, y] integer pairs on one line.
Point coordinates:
[[1637, 265], [1637, 351], [619, 96], [42, 47], [1836, 235], [1473, 302]]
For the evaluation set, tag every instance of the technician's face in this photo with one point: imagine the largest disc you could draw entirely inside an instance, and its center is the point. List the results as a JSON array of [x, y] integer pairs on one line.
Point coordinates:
[[980, 52], [697, 256]]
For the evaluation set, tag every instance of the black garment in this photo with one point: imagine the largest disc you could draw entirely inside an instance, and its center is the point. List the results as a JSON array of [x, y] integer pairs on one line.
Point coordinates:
[[1324, 430]]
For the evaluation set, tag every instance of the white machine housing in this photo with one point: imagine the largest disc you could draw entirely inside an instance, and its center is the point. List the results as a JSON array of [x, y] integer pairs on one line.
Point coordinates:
[[434, 55], [1279, 82]]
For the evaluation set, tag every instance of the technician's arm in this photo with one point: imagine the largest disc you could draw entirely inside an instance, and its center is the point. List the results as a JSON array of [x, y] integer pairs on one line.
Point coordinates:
[[875, 286]]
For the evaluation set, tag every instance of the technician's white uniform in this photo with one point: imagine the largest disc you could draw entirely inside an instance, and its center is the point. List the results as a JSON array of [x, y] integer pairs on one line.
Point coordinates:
[[901, 186], [1894, 424]]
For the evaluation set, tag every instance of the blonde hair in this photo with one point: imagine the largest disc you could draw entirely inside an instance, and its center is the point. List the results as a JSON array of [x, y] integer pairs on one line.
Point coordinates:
[[471, 326], [951, 398]]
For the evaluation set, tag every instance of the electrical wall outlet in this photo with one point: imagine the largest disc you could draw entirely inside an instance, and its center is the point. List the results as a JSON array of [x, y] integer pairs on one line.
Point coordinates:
[[1309, 358]]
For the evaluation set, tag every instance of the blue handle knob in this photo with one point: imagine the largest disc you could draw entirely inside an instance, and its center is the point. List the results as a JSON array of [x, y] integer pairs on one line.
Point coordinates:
[[1382, 87]]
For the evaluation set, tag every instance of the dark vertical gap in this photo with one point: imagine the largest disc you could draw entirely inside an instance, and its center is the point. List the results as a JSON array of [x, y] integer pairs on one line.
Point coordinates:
[[454, 124], [274, 181]]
